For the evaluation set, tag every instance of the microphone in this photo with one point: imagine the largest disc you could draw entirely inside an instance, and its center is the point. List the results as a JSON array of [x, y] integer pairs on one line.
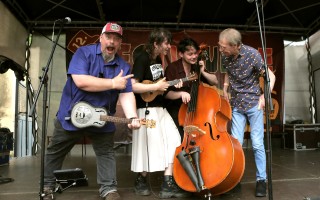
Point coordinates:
[[250, 1], [66, 20]]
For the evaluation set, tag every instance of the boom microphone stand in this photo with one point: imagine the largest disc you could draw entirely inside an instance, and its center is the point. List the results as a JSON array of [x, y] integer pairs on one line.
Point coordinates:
[[44, 113], [268, 104]]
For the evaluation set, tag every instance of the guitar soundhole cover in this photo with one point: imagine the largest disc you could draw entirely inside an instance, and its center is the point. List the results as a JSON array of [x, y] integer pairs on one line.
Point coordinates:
[[83, 115]]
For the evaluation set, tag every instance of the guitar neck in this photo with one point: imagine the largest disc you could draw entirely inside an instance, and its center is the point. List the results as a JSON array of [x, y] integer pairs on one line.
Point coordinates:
[[115, 119], [173, 82]]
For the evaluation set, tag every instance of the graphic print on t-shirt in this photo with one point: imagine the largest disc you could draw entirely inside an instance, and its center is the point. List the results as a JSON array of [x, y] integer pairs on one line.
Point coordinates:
[[156, 71]]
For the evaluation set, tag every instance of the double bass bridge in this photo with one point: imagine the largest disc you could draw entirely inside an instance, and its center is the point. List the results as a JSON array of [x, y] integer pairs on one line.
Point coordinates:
[[192, 128]]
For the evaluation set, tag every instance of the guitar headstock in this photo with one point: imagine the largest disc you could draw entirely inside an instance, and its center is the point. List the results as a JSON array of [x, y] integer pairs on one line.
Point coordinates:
[[193, 76], [149, 123]]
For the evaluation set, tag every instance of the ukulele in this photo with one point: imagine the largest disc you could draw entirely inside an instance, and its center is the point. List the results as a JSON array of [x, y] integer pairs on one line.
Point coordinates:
[[85, 115], [149, 96]]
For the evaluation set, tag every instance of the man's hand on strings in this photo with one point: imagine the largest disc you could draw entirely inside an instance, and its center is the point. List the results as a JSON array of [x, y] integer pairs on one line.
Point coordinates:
[[135, 124]]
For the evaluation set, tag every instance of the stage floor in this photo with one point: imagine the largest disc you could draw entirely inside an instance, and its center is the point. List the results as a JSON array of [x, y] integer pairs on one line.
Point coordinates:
[[295, 176]]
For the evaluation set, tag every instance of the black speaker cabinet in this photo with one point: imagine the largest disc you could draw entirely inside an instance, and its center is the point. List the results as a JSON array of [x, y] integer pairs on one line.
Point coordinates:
[[302, 136]]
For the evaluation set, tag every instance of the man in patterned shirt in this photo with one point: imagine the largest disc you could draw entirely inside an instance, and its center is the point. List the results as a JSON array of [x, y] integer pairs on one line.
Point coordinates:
[[244, 66]]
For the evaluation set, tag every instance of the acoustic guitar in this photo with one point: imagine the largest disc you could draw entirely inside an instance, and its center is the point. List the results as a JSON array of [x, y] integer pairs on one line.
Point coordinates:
[[85, 115], [150, 96]]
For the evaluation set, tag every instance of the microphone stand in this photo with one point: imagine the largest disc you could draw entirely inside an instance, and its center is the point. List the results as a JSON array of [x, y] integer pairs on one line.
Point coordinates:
[[44, 81], [268, 107]]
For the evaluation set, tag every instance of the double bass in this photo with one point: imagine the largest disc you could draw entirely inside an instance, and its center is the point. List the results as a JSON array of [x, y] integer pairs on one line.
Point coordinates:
[[209, 160]]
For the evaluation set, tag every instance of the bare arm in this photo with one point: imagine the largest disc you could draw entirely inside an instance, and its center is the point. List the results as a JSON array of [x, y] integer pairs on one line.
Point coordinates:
[[185, 96], [94, 84], [138, 87], [272, 79], [173, 95], [211, 78], [128, 103], [225, 86]]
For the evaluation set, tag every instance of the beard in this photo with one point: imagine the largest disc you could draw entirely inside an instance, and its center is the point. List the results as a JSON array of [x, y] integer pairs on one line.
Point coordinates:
[[107, 58]]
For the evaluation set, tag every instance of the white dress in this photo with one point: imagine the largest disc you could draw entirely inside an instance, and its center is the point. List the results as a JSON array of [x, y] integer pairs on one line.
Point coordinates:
[[153, 149]]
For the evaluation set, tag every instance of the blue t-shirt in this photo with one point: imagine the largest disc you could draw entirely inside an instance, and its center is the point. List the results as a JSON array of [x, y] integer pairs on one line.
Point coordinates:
[[88, 60], [244, 72]]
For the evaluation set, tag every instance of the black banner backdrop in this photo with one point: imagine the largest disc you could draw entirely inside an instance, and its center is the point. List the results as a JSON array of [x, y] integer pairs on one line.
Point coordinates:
[[133, 41]]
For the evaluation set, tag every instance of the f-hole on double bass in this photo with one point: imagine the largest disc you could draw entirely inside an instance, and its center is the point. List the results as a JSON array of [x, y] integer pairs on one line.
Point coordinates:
[[209, 160]]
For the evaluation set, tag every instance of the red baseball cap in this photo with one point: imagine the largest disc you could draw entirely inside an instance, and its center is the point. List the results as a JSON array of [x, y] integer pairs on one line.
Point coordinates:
[[111, 27]]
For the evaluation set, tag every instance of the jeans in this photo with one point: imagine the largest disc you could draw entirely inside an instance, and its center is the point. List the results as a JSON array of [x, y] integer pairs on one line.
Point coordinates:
[[238, 124], [63, 141]]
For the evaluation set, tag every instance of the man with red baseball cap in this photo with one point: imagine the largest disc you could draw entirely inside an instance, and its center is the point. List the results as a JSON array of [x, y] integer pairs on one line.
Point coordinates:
[[112, 27], [98, 76]]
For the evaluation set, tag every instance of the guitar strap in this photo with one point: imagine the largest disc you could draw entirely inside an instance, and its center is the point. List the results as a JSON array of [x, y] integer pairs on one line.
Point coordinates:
[[147, 111]]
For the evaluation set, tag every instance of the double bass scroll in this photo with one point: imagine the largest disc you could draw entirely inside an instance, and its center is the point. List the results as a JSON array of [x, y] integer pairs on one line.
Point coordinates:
[[204, 55]]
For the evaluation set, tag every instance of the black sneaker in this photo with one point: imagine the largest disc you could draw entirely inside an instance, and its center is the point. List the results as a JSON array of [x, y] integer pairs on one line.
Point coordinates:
[[169, 188], [141, 186], [261, 188]]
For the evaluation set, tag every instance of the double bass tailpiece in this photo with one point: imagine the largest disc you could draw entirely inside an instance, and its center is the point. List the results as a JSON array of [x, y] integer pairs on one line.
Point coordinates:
[[190, 162]]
